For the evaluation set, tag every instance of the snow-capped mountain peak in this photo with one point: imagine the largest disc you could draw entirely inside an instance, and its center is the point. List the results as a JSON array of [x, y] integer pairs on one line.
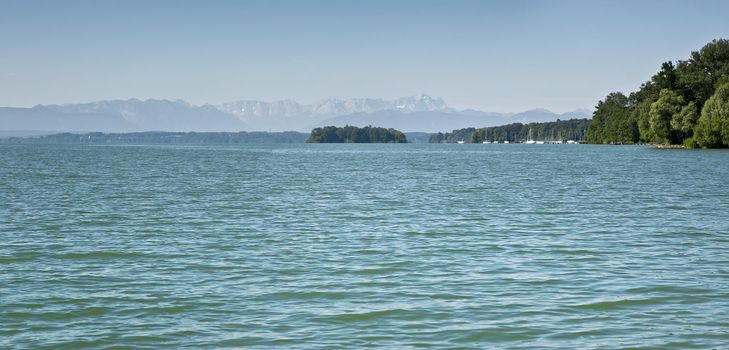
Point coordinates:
[[413, 113], [332, 107]]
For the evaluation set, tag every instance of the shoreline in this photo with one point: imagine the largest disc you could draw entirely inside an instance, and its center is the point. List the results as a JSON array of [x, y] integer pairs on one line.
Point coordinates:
[[668, 146]]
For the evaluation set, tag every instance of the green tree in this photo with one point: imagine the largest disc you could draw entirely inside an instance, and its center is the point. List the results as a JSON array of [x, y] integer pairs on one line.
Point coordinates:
[[704, 71], [712, 129], [668, 107], [613, 121], [572, 129], [642, 117], [353, 134], [666, 77], [436, 138], [669, 103], [686, 119]]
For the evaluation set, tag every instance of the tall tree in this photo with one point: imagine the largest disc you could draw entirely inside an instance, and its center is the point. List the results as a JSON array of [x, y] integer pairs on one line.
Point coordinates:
[[667, 108], [662, 111], [699, 76], [613, 121], [712, 129], [641, 114], [685, 120]]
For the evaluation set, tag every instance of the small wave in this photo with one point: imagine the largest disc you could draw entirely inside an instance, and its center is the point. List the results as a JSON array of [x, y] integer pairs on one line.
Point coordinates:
[[65, 316], [306, 295], [377, 270], [619, 304], [353, 317], [496, 334], [669, 289], [585, 333], [98, 255]]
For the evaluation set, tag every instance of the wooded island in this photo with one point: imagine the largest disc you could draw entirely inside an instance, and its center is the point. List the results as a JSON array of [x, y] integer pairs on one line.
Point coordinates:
[[353, 134]]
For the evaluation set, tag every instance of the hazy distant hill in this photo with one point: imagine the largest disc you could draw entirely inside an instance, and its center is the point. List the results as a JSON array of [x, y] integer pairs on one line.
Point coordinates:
[[155, 137], [542, 115], [120, 116], [44, 118], [414, 113]]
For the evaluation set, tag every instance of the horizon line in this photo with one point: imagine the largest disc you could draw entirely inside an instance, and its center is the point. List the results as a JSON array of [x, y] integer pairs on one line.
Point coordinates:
[[319, 101]]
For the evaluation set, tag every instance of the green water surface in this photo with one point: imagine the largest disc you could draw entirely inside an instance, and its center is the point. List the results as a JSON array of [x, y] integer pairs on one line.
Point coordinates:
[[350, 246]]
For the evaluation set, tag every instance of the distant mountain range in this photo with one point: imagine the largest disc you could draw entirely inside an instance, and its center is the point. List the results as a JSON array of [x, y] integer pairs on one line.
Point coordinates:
[[415, 113]]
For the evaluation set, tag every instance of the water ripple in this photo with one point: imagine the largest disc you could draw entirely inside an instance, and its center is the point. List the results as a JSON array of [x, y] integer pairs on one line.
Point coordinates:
[[350, 246]]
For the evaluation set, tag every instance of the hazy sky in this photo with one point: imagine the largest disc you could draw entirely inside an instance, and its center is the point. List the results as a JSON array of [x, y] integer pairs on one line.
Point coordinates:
[[490, 55]]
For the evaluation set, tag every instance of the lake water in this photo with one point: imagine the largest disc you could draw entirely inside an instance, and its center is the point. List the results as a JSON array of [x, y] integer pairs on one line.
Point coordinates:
[[349, 246]]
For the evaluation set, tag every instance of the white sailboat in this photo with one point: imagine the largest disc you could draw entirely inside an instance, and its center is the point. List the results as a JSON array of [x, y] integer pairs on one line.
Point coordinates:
[[530, 141]]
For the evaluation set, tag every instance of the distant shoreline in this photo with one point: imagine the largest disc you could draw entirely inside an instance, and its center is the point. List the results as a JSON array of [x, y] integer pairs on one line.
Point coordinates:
[[227, 138], [171, 137], [160, 137]]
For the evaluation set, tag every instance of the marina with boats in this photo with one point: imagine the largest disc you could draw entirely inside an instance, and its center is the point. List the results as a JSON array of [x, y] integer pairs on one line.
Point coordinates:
[[572, 131]]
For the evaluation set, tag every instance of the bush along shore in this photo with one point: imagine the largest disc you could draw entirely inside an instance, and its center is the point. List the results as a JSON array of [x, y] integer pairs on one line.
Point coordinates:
[[685, 104]]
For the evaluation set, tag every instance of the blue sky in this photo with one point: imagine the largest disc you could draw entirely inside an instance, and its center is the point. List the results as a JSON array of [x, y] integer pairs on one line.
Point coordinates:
[[490, 55]]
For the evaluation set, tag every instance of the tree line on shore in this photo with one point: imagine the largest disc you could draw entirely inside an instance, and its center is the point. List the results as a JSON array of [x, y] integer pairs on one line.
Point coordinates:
[[353, 134], [560, 130], [158, 137], [684, 103]]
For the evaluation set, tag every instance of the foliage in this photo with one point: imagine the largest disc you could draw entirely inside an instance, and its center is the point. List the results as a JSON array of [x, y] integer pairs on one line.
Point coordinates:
[[453, 136], [560, 130], [712, 129], [699, 76], [662, 113], [613, 121], [690, 142], [437, 138], [669, 107], [353, 134], [641, 117], [685, 121]]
